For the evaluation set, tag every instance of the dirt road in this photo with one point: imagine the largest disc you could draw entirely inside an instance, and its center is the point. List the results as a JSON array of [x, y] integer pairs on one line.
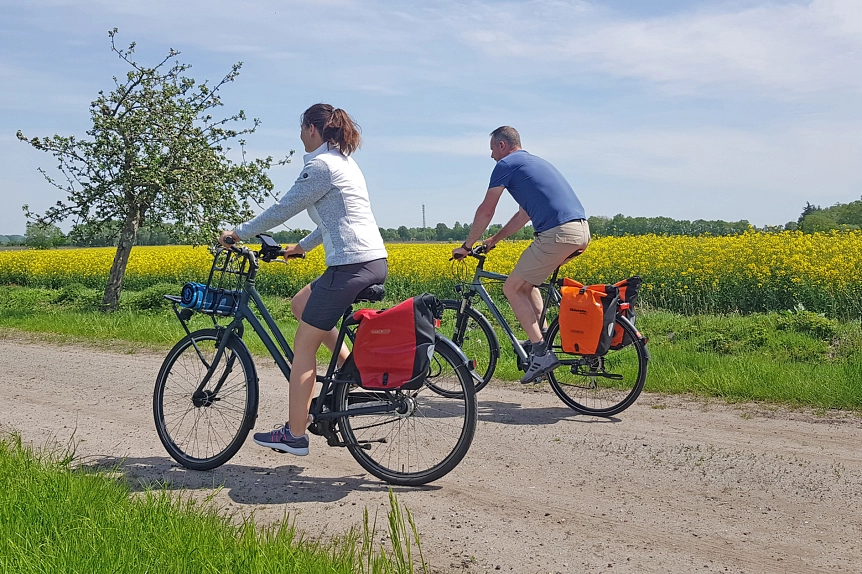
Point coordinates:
[[670, 485]]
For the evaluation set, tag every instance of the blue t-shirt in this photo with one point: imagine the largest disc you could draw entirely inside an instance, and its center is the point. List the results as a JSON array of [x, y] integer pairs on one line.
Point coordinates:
[[539, 189]]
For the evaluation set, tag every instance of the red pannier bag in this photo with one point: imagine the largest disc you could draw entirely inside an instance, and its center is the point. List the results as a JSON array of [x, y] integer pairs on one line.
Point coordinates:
[[628, 294], [393, 347], [587, 314]]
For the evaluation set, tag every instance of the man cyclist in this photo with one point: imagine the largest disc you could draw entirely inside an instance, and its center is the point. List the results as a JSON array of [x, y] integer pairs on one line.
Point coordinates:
[[560, 232]]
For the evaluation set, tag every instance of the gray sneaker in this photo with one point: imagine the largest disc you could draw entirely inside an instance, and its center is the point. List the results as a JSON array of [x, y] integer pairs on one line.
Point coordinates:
[[282, 440], [540, 365], [527, 344]]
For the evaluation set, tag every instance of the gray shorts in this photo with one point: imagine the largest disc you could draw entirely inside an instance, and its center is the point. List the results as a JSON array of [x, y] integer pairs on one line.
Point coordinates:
[[334, 291]]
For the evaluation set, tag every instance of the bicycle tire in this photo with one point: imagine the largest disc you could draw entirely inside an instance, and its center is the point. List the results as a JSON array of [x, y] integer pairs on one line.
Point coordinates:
[[476, 338], [601, 386], [204, 434], [425, 442]]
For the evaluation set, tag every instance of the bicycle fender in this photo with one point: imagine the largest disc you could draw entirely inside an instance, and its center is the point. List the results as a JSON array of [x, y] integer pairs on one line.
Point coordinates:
[[465, 362], [640, 335]]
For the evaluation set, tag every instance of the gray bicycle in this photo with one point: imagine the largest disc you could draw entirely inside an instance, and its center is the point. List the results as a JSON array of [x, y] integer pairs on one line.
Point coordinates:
[[589, 384], [206, 394]]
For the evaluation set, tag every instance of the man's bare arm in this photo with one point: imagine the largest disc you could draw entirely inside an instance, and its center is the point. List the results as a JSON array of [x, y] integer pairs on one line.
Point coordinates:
[[484, 214], [518, 221]]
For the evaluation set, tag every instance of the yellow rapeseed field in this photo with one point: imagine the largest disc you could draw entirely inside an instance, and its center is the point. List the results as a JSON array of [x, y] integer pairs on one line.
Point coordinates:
[[749, 272]]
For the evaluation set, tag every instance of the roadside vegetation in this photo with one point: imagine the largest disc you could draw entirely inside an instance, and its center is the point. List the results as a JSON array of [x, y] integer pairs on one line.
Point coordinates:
[[59, 516], [748, 273], [794, 357]]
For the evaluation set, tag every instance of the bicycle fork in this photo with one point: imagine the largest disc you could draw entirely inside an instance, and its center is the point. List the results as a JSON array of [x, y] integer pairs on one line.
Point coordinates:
[[203, 397]]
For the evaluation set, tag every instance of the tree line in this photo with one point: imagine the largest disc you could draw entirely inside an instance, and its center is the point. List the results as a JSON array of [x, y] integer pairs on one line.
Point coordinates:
[[841, 216], [813, 218]]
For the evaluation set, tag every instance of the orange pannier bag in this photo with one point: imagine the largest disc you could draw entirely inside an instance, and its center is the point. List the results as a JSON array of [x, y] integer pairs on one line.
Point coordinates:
[[587, 314], [628, 294]]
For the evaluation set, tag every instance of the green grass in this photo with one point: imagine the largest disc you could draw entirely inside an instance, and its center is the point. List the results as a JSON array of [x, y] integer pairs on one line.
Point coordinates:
[[56, 518], [145, 318], [796, 358]]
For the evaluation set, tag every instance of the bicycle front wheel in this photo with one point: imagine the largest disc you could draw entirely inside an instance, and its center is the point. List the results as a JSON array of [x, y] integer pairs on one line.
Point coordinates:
[[204, 429], [475, 336], [425, 437], [601, 386]]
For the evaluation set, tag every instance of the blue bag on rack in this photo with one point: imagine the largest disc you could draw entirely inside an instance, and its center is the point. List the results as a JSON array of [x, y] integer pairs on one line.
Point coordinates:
[[199, 297]]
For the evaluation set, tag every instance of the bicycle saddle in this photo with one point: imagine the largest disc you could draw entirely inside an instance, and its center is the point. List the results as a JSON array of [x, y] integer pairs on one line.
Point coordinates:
[[575, 254], [371, 294]]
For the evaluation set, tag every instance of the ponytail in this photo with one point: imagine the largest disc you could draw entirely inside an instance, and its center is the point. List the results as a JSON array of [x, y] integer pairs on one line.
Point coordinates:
[[335, 127]]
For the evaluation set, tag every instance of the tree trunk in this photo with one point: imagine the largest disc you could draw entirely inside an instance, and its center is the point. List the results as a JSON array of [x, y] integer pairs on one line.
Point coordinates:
[[111, 300]]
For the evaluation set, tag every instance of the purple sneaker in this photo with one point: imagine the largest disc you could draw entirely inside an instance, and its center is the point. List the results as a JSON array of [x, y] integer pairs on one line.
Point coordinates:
[[282, 440]]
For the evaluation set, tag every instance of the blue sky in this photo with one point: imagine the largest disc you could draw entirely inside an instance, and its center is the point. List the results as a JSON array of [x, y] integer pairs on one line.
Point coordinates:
[[731, 110]]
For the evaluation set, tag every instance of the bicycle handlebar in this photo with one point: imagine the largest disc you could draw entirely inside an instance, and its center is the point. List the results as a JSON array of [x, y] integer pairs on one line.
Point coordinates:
[[268, 252], [476, 252]]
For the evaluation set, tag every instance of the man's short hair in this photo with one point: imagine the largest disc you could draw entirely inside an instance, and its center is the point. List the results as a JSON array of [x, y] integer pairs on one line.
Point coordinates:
[[507, 134]]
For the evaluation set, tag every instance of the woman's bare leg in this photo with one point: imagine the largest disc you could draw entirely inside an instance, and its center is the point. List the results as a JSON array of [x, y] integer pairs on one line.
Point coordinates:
[[297, 305]]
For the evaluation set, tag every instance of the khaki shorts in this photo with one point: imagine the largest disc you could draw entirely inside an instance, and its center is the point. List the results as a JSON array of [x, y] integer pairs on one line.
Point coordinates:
[[550, 249]]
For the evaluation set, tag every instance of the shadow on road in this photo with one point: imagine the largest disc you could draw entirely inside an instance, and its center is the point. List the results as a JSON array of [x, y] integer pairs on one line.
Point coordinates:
[[243, 484], [515, 414]]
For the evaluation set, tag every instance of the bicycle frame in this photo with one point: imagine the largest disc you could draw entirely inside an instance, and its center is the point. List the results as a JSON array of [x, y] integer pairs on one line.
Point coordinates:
[[476, 287], [282, 353]]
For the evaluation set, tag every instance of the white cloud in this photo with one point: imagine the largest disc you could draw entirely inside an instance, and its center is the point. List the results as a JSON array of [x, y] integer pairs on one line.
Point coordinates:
[[33, 90], [700, 172], [811, 156], [470, 145], [780, 48], [815, 155]]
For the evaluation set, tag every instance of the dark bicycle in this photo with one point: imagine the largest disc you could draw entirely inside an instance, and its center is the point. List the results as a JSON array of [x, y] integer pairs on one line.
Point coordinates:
[[595, 385], [206, 394]]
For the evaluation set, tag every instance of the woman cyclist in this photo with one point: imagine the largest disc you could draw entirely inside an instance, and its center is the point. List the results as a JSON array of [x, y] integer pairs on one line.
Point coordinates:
[[332, 189]]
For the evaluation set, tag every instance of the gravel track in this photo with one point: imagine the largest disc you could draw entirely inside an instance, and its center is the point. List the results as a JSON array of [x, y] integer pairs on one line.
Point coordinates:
[[671, 485]]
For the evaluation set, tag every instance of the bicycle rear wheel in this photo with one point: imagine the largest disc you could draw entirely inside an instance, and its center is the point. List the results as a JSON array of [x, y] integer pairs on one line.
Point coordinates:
[[204, 430], [601, 386], [476, 338], [426, 437]]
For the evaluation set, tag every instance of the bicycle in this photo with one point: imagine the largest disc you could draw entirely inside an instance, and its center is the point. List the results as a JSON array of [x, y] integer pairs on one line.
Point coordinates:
[[205, 399], [594, 385]]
